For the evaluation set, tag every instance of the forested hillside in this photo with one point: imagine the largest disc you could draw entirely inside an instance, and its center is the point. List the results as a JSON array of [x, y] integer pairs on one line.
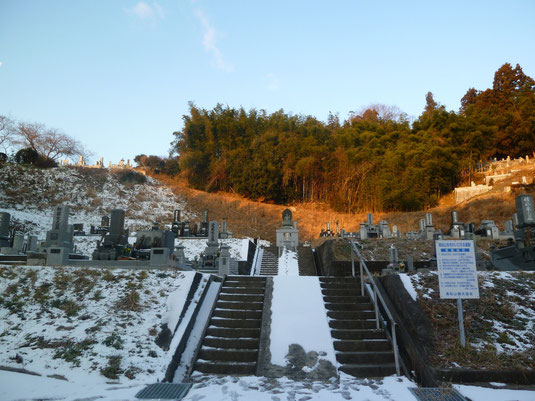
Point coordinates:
[[375, 160]]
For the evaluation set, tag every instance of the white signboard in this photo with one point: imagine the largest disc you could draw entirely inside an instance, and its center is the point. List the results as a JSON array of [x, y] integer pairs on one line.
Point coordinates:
[[457, 274]]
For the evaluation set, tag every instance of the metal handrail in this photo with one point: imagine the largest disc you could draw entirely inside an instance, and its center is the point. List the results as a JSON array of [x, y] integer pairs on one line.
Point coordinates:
[[257, 258], [374, 297]]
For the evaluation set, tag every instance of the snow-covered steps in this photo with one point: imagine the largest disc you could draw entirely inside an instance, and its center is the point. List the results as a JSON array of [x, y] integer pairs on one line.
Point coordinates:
[[270, 262], [231, 342], [361, 349]]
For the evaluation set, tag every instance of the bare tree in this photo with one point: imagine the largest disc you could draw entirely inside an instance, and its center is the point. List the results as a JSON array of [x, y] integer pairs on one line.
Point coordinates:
[[379, 112], [50, 143], [6, 132]]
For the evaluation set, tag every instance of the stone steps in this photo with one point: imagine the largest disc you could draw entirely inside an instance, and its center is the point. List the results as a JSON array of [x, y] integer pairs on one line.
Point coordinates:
[[305, 258], [369, 370], [231, 342], [381, 344], [361, 349], [270, 262]]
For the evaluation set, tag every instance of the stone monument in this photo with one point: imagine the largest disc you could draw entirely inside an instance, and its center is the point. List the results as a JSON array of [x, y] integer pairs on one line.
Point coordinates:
[[288, 234]]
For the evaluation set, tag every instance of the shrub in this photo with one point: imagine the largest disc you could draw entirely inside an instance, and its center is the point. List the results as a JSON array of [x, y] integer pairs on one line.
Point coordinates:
[[130, 301], [113, 340], [113, 370], [71, 351], [131, 177]]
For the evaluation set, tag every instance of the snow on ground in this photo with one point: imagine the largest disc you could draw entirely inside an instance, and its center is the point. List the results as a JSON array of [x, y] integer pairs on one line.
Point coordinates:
[[18, 386], [30, 194], [476, 393], [288, 265], [500, 325], [299, 317], [25, 387], [88, 325], [407, 283], [263, 389]]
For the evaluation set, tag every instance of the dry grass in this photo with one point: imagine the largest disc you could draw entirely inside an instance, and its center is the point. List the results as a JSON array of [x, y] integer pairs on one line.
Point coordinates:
[[496, 304], [256, 219]]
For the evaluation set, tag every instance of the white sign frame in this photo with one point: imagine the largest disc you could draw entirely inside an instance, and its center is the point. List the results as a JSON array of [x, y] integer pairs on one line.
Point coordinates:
[[457, 273]]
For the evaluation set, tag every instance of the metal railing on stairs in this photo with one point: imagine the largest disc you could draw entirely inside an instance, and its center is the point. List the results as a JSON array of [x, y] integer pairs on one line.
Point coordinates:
[[368, 285]]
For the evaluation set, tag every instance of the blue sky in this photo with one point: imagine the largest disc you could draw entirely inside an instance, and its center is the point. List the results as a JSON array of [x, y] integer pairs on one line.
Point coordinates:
[[118, 75]]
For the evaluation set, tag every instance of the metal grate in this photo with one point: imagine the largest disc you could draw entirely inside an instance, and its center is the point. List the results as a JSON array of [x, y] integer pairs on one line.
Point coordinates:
[[437, 394], [164, 391]]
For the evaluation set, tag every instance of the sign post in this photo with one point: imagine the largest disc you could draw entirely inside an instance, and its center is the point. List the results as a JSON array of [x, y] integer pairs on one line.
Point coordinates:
[[457, 274]]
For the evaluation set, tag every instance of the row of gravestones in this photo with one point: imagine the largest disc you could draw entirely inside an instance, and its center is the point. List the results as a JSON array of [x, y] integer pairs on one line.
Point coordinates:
[[186, 229], [155, 245]]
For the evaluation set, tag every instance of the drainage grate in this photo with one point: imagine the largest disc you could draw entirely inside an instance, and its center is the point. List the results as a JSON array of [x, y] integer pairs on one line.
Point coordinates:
[[437, 394], [164, 391]]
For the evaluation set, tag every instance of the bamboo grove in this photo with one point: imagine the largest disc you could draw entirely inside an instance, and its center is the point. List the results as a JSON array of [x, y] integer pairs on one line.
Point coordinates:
[[375, 160]]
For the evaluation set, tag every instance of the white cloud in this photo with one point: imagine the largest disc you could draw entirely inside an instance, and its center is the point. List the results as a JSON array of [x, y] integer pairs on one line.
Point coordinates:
[[273, 83], [209, 42], [1, 64], [144, 11]]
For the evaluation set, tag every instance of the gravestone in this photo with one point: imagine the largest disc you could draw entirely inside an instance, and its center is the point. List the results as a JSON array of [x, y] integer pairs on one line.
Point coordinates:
[[175, 224], [203, 229], [180, 257], [224, 233], [32, 243], [288, 235], [213, 233], [186, 229], [422, 226], [212, 246], [105, 221], [363, 231], [521, 255], [457, 228], [384, 230], [4, 229], [393, 255], [525, 211], [454, 218], [18, 243], [429, 228], [114, 241], [509, 227], [61, 234], [410, 263], [369, 217]]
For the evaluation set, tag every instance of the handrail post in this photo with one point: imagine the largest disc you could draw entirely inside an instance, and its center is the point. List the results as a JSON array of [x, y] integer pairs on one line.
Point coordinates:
[[376, 308], [395, 344], [361, 279], [352, 262]]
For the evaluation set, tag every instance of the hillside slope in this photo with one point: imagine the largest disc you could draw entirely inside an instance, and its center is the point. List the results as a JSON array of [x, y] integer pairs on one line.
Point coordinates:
[[30, 194]]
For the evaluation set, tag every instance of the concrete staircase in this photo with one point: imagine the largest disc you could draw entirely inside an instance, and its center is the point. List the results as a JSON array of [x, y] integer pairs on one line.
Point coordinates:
[[305, 257], [270, 262], [361, 349], [231, 342]]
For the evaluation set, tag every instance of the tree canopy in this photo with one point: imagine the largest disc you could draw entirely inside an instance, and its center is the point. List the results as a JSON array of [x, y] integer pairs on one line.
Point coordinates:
[[375, 160]]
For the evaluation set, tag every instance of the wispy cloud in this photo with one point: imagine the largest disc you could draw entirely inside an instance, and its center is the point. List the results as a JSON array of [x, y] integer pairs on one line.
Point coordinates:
[[273, 83], [1, 64], [209, 42], [145, 11]]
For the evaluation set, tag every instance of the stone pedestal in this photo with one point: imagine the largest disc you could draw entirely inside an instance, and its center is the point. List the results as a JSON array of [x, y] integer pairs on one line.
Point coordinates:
[[159, 257], [57, 256]]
